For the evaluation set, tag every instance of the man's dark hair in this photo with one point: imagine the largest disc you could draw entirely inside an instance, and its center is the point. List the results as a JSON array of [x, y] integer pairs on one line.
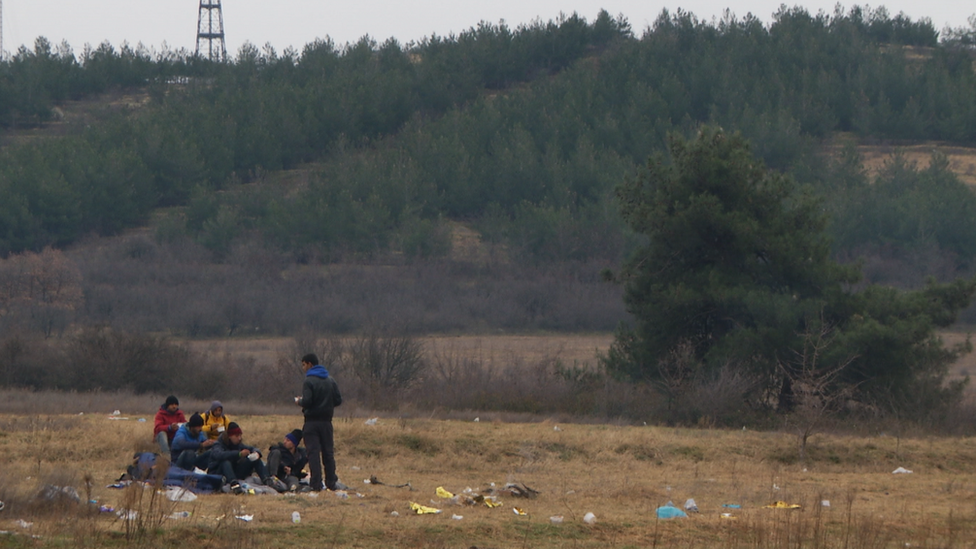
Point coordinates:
[[311, 359]]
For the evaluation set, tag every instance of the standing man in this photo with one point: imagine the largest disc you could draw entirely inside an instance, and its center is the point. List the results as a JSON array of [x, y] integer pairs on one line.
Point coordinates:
[[320, 396], [168, 420]]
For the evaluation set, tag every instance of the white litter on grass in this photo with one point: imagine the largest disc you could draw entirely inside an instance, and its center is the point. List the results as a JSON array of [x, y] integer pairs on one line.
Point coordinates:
[[372, 421], [128, 515], [176, 493], [691, 506], [901, 471], [589, 518], [245, 518], [394, 514], [23, 523], [456, 517], [825, 503], [117, 413], [556, 428], [556, 519], [477, 419]]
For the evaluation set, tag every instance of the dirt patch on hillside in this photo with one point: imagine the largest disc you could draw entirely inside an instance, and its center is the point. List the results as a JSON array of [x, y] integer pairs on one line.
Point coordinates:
[[962, 160]]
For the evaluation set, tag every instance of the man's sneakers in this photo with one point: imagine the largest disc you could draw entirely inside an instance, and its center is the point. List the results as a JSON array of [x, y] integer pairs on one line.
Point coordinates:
[[235, 487], [338, 486]]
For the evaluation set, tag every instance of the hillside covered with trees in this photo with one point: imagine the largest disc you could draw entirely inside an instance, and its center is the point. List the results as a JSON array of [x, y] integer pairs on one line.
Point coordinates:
[[321, 163]]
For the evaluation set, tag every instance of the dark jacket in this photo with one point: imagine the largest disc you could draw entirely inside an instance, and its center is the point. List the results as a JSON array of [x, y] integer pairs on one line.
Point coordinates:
[[320, 395], [296, 461], [224, 450]]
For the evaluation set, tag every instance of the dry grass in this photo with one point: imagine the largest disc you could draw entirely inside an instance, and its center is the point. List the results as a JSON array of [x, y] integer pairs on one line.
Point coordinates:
[[619, 473]]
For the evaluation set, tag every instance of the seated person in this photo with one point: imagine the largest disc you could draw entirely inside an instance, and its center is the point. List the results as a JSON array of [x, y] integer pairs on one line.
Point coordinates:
[[167, 422], [286, 461], [234, 460], [191, 448], [215, 421]]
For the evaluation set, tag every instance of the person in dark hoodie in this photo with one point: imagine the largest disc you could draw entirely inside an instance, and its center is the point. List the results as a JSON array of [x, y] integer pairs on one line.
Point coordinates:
[[320, 396], [191, 447], [287, 461], [234, 460], [169, 418]]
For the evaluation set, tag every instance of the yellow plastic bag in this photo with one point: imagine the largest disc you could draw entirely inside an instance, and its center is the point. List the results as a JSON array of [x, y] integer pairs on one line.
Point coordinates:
[[519, 511], [491, 503], [442, 493], [423, 509]]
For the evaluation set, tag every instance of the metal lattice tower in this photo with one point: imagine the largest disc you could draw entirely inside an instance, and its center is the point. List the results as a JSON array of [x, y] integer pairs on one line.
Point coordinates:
[[210, 31]]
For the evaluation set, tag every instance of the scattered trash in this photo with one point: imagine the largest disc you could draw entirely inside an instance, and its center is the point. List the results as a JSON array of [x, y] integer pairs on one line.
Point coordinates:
[[775, 487], [514, 489], [296, 517], [117, 413], [477, 419], [442, 493], [732, 505], [342, 494], [178, 493], [372, 421], [141, 420], [128, 515], [106, 509], [781, 505], [518, 511], [491, 502], [23, 523], [669, 511], [556, 428], [245, 518], [729, 516], [691, 506], [423, 509], [394, 514], [825, 503], [456, 517], [354, 468], [556, 519], [180, 515], [901, 471], [312, 494], [589, 518], [376, 481]]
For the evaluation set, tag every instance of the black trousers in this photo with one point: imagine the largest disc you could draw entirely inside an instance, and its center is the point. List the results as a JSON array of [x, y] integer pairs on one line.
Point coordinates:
[[317, 434]]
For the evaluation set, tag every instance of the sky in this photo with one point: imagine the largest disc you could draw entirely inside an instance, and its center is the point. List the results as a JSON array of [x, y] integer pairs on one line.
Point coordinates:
[[173, 23]]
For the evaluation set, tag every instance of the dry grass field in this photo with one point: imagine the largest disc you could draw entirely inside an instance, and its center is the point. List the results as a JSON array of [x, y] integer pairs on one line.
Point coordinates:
[[621, 474]]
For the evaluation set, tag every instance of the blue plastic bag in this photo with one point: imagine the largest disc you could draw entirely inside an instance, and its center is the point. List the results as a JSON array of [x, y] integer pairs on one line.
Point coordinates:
[[670, 512]]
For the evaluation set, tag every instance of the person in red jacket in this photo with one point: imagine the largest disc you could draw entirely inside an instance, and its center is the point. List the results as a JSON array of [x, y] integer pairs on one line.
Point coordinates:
[[169, 418]]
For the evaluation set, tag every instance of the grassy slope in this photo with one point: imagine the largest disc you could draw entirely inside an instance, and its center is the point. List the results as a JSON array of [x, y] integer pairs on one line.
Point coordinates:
[[621, 474]]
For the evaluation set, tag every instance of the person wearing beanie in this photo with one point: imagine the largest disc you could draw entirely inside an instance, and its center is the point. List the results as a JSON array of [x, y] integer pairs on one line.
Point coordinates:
[[320, 396], [287, 461], [234, 460], [215, 421], [169, 418], [191, 448]]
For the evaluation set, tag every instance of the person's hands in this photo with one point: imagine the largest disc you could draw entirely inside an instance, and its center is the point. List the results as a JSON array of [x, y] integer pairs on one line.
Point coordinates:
[[245, 452], [298, 400], [208, 443], [287, 470]]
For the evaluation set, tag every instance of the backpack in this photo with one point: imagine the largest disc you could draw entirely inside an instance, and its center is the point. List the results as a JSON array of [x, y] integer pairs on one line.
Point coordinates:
[[143, 465]]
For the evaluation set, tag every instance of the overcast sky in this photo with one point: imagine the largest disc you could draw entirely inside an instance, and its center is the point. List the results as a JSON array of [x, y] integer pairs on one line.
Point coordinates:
[[298, 22]]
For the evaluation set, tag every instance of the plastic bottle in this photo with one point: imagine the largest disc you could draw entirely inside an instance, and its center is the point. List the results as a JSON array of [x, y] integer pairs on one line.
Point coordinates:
[[295, 517]]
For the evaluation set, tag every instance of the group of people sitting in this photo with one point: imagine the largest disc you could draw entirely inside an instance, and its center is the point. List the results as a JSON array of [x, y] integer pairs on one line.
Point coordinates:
[[212, 443]]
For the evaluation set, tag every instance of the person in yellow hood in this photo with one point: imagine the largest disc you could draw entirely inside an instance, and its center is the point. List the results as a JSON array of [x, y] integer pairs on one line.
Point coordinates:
[[214, 421]]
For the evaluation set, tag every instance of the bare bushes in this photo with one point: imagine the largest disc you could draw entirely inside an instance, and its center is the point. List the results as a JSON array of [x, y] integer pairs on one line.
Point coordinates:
[[106, 360]]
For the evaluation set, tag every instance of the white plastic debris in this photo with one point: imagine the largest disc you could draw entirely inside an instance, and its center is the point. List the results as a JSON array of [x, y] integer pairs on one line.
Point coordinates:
[[556, 519], [589, 518], [556, 428], [296, 517], [372, 421], [180, 515], [117, 413], [177, 493], [245, 518], [456, 517], [128, 515], [825, 503], [691, 506], [477, 419], [901, 471], [23, 523], [394, 514]]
